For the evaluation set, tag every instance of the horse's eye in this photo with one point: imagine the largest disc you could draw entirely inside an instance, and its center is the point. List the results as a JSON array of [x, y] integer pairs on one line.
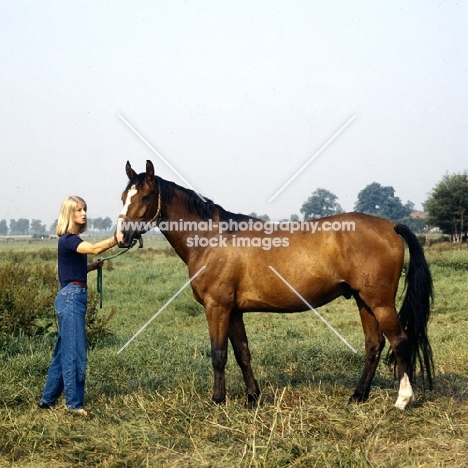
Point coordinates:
[[145, 198]]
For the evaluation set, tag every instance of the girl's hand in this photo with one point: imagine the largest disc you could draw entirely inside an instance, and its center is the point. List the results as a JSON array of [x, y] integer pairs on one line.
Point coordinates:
[[95, 265]]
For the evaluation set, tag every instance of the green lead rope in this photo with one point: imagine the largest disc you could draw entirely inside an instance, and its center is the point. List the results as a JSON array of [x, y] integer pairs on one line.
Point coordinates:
[[99, 270]]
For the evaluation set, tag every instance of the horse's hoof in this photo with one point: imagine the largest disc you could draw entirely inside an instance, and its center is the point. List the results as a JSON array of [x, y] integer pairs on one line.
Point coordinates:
[[357, 398], [403, 401], [217, 402], [252, 400]]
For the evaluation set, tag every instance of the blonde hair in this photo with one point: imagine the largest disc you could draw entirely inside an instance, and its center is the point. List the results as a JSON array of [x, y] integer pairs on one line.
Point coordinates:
[[65, 222]]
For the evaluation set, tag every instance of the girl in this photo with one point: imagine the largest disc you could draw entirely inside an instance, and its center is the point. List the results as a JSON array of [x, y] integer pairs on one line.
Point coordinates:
[[68, 367]]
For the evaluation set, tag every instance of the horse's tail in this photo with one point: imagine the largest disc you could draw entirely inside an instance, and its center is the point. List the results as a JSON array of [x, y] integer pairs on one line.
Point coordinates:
[[415, 310]]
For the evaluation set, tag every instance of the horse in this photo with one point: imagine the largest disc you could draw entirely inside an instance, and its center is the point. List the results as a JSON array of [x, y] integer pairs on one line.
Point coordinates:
[[352, 255]]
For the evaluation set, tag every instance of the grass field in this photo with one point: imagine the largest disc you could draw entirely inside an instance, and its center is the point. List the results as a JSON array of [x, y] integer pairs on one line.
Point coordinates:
[[150, 404]]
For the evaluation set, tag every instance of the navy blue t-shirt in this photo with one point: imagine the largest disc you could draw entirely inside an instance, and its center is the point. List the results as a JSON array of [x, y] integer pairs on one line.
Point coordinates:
[[72, 266]]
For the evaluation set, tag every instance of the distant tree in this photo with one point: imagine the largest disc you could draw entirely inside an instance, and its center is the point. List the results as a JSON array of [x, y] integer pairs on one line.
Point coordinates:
[[37, 228], [53, 227], [106, 223], [294, 217], [100, 223], [3, 228], [447, 206], [12, 226], [19, 227], [415, 224], [263, 217], [321, 203], [381, 201]]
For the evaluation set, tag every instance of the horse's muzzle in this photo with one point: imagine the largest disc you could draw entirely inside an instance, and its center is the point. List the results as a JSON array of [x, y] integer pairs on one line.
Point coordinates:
[[125, 232], [125, 245]]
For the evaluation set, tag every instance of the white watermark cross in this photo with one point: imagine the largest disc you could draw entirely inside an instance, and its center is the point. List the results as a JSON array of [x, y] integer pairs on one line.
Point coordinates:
[[158, 154], [312, 158], [161, 309], [313, 310]]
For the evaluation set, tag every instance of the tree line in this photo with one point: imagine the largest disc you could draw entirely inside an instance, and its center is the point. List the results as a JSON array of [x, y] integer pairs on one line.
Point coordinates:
[[22, 227], [446, 208]]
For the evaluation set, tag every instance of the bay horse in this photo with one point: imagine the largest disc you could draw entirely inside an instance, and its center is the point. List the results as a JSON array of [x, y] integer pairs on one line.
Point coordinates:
[[364, 263]]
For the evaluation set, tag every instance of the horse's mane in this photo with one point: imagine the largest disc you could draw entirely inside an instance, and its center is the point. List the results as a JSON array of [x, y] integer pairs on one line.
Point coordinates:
[[205, 209]]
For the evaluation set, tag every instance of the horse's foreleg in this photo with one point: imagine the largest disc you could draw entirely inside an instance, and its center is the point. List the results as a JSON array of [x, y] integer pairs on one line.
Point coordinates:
[[239, 342], [218, 325], [374, 343]]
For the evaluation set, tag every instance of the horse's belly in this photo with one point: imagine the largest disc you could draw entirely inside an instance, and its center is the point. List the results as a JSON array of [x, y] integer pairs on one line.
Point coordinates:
[[280, 295]]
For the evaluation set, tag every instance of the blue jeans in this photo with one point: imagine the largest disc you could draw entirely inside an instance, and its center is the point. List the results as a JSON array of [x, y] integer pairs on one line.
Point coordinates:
[[68, 368]]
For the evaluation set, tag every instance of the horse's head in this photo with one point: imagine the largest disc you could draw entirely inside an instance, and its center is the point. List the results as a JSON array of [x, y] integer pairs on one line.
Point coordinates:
[[141, 205]]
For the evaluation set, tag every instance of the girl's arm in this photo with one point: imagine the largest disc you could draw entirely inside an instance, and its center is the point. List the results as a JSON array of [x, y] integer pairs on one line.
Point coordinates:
[[97, 248]]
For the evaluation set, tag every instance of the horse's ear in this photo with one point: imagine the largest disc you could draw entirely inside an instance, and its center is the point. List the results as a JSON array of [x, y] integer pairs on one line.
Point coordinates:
[[149, 171], [130, 172]]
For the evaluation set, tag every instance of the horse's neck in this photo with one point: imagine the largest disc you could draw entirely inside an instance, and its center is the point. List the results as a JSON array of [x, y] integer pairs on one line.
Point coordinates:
[[180, 224]]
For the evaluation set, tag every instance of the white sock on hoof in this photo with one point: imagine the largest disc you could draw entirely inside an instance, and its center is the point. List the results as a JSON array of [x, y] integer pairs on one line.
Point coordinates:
[[405, 393]]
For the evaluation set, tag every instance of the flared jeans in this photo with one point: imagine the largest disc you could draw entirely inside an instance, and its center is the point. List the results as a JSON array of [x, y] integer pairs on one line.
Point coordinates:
[[68, 368]]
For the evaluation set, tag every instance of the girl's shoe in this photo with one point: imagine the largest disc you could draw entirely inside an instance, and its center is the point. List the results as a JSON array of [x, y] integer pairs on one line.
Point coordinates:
[[80, 411], [43, 405]]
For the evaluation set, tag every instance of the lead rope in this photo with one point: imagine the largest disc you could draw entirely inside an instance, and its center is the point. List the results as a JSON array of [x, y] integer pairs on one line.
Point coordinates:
[[99, 270], [140, 240]]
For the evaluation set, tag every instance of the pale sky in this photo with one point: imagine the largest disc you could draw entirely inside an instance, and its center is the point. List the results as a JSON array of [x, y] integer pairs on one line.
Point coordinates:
[[236, 95]]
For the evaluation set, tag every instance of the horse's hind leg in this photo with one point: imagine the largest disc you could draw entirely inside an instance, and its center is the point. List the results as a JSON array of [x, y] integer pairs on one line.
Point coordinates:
[[392, 329], [239, 342], [374, 343]]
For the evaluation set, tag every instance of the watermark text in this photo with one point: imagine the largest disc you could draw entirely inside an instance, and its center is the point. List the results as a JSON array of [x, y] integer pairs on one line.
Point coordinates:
[[230, 233], [232, 226]]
